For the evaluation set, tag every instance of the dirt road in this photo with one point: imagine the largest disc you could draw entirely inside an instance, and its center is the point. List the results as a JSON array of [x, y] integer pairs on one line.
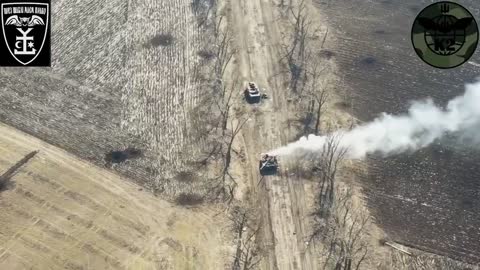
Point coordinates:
[[283, 199], [64, 213]]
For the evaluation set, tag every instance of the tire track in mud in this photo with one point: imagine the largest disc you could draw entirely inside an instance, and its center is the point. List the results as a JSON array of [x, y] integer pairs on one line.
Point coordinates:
[[283, 212]]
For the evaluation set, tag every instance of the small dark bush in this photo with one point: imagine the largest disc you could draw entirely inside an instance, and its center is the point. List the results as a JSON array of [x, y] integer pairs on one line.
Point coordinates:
[[327, 54], [162, 40], [121, 156], [189, 199], [368, 61], [186, 177], [4, 183], [206, 54], [343, 105]]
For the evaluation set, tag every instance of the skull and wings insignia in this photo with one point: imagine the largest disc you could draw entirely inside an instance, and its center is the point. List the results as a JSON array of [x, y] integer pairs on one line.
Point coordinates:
[[24, 21]]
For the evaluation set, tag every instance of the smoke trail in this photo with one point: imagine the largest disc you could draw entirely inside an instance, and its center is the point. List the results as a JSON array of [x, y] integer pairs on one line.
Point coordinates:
[[389, 134]]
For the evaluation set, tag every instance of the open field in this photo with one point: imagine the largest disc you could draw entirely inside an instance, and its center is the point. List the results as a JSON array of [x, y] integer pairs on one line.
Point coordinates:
[[428, 199], [64, 213], [131, 74], [162, 62], [124, 74], [132, 81]]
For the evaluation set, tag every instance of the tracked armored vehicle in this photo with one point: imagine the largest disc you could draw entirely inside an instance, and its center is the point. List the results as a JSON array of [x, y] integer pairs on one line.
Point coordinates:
[[252, 93], [268, 164]]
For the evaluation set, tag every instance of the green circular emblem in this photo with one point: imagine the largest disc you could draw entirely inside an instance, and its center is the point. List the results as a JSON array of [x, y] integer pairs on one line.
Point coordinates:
[[445, 34]]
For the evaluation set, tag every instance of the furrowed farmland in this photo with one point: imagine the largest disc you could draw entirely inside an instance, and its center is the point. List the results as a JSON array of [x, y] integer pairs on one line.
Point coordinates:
[[125, 75], [194, 134], [124, 80], [63, 213]]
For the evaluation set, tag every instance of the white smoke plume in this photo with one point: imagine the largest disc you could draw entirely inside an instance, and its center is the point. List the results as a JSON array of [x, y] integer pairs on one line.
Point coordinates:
[[391, 134]]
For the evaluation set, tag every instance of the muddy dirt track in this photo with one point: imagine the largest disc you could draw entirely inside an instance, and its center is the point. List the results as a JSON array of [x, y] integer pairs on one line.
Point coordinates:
[[283, 200], [64, 213]]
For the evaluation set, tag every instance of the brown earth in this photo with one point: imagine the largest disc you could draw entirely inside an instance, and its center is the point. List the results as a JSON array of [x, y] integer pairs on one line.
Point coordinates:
[[113, 84], [64, 213], [285, 200], [81, 216]]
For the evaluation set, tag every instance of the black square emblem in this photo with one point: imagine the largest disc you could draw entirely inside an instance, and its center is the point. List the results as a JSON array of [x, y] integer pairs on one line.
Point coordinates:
[[25, 39]]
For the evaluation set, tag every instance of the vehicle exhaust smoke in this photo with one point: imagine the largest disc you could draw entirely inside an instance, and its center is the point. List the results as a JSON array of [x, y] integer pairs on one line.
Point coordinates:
[[392, 134]]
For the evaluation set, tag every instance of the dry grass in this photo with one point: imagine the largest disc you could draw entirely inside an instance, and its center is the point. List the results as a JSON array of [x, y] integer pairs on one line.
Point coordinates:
[[133, 82], [64, 213]]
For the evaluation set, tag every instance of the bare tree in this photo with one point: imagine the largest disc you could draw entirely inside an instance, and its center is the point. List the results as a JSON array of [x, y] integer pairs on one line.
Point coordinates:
[[297, 51], [338, 222], [224, 51], [320, 99], [203, 9], [206, 120], [223, 95], [247, 255], [331, 156], [351, 250], [234, 131], [344, 231], [317, 94], [224, 103], [220, 99], [213, 111]]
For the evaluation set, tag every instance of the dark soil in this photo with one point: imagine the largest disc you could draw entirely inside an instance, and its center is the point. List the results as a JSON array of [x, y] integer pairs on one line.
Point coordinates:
[[430, 198], [189, 199], [162, 40], [206, 54], [122, 156], [186, 177]]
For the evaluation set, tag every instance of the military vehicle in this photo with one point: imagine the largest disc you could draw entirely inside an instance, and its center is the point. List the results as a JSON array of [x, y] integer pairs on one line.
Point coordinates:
[[252, 93], [268, 164]]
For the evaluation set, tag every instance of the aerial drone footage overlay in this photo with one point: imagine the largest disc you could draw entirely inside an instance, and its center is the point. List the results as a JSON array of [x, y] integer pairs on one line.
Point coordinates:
[[239, 134]]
